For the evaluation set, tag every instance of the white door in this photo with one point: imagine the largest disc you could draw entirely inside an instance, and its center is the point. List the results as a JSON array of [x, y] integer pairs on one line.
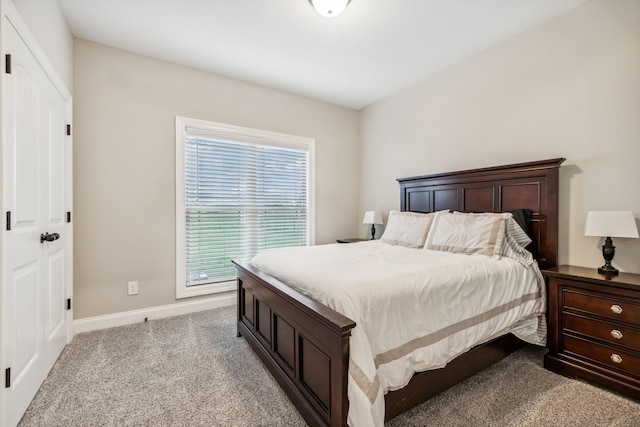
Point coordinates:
[[34, 285]]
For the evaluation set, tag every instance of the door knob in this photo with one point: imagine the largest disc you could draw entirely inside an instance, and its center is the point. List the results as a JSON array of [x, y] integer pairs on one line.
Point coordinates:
[[49, 237]]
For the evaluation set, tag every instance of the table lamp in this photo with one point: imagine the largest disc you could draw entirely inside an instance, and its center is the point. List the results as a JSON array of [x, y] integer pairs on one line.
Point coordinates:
[[373, 218], [610, 224]]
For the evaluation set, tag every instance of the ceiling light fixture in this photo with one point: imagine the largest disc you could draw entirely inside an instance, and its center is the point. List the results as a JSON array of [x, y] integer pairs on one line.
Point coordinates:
[[329, 8]]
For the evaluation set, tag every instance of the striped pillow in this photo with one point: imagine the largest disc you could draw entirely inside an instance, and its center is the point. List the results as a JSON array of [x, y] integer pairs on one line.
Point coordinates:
[[517, 233], [515, 242]]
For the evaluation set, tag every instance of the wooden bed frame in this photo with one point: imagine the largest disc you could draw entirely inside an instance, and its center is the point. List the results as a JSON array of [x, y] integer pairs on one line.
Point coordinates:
[[305, 345]]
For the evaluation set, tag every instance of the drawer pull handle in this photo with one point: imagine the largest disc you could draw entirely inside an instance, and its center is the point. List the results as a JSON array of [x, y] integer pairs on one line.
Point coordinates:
[[616, 334], [616, 309], [616, 359]]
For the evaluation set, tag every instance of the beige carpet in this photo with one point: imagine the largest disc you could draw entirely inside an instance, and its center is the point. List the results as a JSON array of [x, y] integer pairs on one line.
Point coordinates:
[[193, 371]]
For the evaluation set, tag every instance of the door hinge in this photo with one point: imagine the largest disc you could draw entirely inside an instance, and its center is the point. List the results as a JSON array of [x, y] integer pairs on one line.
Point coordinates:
[[68, 216], [68, 303], [68, 130], [8, 220], [7, 63], [7, 378]]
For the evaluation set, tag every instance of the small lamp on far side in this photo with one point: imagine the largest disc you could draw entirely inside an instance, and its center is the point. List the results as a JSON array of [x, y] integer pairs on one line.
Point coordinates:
[[373, 218], [610, 224]]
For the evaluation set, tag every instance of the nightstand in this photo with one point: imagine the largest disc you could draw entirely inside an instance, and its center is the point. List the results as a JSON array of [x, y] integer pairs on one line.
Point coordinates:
[[594, 327], [350, 240]]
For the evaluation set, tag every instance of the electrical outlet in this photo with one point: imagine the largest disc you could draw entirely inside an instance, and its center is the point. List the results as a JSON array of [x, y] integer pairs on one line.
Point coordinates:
[[132, 288]]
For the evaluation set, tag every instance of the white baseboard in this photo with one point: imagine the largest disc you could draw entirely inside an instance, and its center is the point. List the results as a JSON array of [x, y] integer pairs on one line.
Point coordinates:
[[159, 312]]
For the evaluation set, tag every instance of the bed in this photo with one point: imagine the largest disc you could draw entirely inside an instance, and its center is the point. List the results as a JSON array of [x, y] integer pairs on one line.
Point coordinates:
[[306, 345]]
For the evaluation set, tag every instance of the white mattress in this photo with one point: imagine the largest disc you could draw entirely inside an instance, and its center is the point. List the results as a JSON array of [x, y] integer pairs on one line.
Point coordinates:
[[415, 309]]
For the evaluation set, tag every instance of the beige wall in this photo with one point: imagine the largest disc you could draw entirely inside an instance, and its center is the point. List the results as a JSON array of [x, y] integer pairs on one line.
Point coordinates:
[[567, 89], [570, 88], [49, 27], [124, 212]]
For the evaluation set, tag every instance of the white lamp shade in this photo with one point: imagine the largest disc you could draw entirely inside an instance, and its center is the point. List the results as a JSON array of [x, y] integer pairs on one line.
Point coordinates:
[[329, 8], [610, 224], [372, 217]]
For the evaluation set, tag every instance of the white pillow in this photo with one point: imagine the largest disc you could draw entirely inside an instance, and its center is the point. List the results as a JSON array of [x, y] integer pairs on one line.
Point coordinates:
[[407, 229], [468, 233]]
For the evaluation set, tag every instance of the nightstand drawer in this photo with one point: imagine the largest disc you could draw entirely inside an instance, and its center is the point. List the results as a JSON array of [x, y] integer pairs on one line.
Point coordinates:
[[610, 332], [603, 354], [594, 327], [603, 306]]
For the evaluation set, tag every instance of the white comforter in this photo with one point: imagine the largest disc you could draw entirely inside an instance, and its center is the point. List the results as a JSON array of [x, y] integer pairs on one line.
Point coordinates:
[[415, 309]]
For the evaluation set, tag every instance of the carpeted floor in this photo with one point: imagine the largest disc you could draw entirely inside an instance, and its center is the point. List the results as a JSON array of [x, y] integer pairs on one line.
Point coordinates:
[[192, 370]]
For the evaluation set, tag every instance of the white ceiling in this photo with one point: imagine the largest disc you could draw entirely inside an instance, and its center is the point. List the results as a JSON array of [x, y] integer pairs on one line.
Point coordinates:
[[374, 49]]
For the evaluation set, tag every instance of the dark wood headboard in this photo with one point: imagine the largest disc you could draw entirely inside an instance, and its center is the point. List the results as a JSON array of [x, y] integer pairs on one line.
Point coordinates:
[[532, 185]]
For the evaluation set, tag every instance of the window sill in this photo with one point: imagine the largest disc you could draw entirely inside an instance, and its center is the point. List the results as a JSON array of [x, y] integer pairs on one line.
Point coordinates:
[[183, 291]]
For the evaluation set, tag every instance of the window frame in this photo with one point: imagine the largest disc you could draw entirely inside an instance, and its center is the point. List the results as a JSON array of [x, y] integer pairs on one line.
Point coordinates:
[[232, 133]]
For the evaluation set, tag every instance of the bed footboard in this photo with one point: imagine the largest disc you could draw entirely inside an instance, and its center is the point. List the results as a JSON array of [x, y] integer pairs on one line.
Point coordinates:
[[304, 344]]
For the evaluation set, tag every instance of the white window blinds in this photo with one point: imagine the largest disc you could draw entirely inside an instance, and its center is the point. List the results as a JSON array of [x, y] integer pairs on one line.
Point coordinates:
[[241, 196]]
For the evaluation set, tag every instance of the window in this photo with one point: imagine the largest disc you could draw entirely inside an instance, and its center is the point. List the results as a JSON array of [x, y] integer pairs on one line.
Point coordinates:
[[238, 191]]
